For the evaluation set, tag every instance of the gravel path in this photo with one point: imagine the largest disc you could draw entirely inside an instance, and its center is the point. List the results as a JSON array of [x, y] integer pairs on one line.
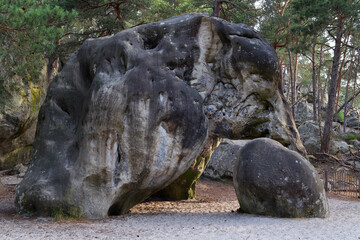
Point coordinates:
[[212, 216]]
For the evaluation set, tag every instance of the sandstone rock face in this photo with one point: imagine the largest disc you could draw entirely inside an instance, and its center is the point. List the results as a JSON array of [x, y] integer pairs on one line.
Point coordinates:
[[19, 107], [184, 187], [130, 113], [222, 161], [271, 180]]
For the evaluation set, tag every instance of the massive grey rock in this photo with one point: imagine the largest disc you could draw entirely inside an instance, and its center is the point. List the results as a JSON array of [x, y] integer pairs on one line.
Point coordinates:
[[222, 161], [19, 107], [270, 179], [130, 113]]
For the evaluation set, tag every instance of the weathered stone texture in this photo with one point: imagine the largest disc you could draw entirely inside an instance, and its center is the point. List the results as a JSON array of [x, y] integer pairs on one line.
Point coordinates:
[[270, 179], [130, 113], [222, 161], [19, 107]]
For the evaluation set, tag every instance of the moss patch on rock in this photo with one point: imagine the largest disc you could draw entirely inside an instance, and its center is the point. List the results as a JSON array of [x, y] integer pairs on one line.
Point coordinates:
[[19, 155], [35, 98], [184, 187]]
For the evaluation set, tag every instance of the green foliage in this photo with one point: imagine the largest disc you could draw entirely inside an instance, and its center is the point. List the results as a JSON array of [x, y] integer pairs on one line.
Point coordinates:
[[98, 18], [29, 30], [340, 116], [350, 136], [274, 22], [314, 18]]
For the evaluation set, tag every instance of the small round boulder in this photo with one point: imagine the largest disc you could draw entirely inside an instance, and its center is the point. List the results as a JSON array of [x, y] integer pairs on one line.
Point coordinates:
[[272, 180]]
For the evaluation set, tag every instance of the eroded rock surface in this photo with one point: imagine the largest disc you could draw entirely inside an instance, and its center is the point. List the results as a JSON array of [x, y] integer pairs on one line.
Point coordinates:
[[270, 179], [130, 113], [222, 161]]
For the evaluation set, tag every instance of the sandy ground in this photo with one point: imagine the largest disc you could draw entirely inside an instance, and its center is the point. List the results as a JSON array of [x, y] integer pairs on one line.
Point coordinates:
[[211, 216]]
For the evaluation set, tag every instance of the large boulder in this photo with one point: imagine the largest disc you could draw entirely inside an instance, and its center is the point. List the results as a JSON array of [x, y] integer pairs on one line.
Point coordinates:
[[238, 76], [270, 179], [130, 113], [222, 161], [20, 102]]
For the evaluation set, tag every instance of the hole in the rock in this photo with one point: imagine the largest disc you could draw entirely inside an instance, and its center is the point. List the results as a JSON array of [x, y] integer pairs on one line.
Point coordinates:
[[113, 210], [171, 65], [63, 106], [151, 41], [118, 157]]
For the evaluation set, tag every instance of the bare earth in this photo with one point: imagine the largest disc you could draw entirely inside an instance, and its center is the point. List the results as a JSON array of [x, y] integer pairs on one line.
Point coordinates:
[[211, 216]]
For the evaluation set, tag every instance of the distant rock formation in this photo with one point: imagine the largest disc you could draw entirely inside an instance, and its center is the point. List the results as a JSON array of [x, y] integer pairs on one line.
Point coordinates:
[[19, 107], [130, 113], [272, 180], [310, 136]]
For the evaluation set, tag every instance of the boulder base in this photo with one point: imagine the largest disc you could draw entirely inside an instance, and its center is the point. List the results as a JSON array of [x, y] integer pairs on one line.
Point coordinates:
[[271, 180]]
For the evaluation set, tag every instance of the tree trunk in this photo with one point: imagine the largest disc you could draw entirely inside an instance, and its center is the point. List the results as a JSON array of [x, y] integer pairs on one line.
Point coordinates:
[[356, 72], [340, 71], [325, 146], [314, 82], [281, 63], [319, 84], [348, 101], [291, 84], [347, 91], [294, 90], [325, 88], [217, 8]]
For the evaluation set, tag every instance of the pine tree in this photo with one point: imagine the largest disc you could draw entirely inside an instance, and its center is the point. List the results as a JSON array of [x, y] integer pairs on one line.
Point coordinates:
[[334, 18], [29, 30]]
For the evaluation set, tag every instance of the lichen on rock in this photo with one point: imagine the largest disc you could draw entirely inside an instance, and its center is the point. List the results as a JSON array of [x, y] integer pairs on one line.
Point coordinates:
[[19, 107]]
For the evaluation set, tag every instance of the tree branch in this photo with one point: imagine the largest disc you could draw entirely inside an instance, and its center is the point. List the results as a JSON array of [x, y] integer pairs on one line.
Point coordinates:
[[348, 101], [12, 29], [217, 8]]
